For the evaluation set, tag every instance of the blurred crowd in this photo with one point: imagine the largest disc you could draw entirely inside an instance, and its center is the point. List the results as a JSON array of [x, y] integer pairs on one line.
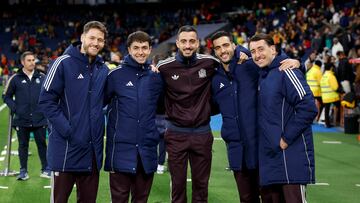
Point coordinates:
[[304, 30]]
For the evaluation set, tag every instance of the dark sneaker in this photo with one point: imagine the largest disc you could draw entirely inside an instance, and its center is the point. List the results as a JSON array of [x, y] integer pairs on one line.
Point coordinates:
[[23, 175]]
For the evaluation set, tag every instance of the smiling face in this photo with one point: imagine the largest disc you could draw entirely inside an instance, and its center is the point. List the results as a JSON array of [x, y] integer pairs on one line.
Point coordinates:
[[93, 42], [139, 51], [187, 43], [224, 49], [262, 53]]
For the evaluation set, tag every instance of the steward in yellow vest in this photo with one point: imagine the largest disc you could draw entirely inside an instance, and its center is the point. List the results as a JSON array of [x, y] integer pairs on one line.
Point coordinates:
[[313, 78], [329, 86]]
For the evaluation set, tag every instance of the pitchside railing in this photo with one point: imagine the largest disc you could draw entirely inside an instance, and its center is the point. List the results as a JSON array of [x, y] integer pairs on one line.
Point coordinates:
[[7, 171]]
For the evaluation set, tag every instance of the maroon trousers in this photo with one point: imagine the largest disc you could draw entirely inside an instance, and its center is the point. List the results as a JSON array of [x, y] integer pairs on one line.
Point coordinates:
[[86, 186], [196, 149], [139, 184], [247, 181], [283, 193]]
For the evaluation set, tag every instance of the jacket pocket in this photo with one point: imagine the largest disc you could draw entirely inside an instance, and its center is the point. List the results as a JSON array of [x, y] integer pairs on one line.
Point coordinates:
[[273, 142]]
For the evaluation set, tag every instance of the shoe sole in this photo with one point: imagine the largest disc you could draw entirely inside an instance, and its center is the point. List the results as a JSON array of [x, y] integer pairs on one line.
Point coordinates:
[[23, 178], [45, 176]]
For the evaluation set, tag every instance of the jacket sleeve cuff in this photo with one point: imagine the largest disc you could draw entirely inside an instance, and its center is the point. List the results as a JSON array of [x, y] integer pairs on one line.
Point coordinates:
[[290, 135]]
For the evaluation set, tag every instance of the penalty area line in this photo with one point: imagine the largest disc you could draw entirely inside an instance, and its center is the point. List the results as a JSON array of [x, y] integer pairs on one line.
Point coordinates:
[[321, 184], [331, 142], [2, 107]]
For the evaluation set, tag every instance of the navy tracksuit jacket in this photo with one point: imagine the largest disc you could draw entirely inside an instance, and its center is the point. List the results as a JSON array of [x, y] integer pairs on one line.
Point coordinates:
[[131, 132]]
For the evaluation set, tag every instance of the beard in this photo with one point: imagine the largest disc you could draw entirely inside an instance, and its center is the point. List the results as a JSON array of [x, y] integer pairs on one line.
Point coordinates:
[[227, 62], [187, 57], [86, 48]]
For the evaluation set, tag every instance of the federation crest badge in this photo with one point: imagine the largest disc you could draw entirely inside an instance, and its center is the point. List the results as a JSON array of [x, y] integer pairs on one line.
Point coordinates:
[[202, 73]]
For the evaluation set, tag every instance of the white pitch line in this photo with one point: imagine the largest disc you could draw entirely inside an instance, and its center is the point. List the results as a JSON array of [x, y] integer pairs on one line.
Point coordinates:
[[3, 152], [2, 158], [4, 187], [357, 185], [218, 138], [2, 107], [332, 142], [321, 184], [47, 187], [188, 180]]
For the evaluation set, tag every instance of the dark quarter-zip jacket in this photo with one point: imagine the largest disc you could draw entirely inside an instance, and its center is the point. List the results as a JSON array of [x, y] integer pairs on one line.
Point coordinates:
[[25, 104], [188, 89]]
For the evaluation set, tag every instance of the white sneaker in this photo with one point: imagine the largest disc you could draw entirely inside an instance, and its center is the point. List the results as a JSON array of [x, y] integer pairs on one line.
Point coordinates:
[[160, 169], [45, 174]]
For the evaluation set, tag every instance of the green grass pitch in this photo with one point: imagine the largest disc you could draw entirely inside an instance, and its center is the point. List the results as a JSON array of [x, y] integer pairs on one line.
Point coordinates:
[[337, 173]]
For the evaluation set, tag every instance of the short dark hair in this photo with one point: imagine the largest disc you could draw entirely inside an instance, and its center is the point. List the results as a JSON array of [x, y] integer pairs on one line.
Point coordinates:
[[262, 36], [328, 66], [26, 53], [219, 34], [138, 36], [318, 63], [187, 28], [95, 24], [340, 53]]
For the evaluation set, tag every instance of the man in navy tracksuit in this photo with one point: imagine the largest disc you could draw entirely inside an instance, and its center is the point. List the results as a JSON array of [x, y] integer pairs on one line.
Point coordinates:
[[25, 85], [234, 88], [234, 92], [286, 110], [72, 100], [132, 138]]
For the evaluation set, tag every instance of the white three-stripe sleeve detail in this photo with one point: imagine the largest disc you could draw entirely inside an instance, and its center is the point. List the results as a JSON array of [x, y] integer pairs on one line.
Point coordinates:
[[165, 61], [297, 81], [297, 89], [293, 81], [52, 72], [52, 69]]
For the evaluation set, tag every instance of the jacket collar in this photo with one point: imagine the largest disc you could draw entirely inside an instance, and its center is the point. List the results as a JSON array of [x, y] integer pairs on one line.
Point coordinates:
[[35, 75], [185, 60], [74, 51], [232, 66], [130, 61]]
